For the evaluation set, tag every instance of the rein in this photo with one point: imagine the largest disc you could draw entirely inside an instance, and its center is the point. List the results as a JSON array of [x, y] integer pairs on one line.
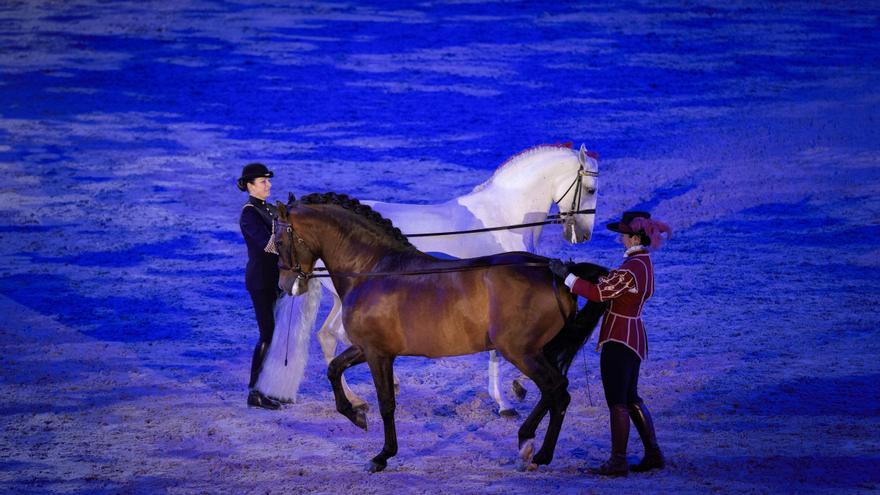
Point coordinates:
[[418, 272], [286, 228], [561, 217], [555, 218]]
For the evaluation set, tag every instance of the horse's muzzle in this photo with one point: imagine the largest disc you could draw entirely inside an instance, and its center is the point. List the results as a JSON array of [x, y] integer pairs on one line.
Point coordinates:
[[293, 283], [300, 284]]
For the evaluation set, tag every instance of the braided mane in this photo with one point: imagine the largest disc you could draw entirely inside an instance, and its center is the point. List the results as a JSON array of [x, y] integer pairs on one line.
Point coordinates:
[[349, 203]]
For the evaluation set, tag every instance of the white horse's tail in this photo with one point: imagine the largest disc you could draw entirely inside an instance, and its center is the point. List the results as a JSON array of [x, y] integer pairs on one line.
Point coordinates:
[[285, 363]]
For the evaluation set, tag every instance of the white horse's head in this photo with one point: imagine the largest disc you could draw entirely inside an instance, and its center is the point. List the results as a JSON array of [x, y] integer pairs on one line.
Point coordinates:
[[577, 198], [536, 178]]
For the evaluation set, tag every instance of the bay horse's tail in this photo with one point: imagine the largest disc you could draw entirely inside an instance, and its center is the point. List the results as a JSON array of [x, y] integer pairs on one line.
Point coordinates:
[[562, 349]]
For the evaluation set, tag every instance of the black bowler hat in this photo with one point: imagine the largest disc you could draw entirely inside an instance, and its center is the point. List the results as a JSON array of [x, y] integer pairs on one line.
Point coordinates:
[[250, 172], [622, 226]]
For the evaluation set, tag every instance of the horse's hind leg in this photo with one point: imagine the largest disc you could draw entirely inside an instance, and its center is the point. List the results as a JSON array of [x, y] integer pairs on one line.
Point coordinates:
[[382, 368], [554, 397], [350, 357]]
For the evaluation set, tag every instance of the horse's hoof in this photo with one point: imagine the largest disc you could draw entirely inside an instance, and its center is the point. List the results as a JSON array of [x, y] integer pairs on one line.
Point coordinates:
[[508, 413], [524, 465], [360, 405], [518, 390], [526, 450], [375, 467], [357, 415], [360, 418]]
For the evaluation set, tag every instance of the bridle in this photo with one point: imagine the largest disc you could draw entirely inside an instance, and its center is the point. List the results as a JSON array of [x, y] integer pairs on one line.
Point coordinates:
[[281, 228], [577, 184]]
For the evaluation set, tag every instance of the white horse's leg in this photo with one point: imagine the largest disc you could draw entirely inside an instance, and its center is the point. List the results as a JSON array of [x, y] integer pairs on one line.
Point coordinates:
[[330, 333], [326, 335], [504, 407]]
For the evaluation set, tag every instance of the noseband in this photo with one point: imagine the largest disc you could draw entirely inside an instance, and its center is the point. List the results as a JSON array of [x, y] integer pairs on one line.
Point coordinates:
[[279, 229]]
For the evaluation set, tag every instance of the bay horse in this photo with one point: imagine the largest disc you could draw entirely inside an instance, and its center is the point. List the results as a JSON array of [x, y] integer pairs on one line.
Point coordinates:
[[399, 301], [521, 191]]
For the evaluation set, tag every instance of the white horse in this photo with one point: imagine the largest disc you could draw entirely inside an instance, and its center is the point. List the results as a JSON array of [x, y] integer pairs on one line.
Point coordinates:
[[521, 191]]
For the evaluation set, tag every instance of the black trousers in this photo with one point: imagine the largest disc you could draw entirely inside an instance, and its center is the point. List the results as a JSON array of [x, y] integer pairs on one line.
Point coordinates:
[[264, 309], [620, 374]]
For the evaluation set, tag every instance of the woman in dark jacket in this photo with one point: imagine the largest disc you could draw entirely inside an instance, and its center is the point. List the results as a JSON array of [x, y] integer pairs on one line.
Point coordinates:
[[622, 337], [261, 275]]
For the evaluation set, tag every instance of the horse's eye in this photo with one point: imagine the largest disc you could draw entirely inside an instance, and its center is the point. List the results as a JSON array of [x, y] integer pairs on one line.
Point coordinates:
[[591, 190]]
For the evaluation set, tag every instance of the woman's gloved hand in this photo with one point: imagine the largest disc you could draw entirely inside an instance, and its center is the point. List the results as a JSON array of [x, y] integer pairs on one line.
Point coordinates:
[[558, 268]]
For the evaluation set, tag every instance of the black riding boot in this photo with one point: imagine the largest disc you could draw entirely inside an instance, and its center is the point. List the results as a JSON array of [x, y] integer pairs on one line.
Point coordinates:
[[255, 397], [616, 464], [641, 417], [260, 351]]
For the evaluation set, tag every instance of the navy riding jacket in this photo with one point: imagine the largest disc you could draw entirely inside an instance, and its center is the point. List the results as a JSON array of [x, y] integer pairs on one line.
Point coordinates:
[[256, 227]]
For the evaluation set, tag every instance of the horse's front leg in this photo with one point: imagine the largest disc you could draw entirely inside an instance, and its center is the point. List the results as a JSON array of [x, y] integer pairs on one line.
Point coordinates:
[[554, 392], [328, 336], [559, 400], [504, 407], [382, 368], [350, 357], [526, 433], [554, 398]]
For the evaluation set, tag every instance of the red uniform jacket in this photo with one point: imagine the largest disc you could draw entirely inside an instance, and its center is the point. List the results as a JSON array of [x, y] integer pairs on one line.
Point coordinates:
[[627, 288]]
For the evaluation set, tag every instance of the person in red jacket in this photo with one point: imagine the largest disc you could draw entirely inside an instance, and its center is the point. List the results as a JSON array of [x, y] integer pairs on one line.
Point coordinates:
[[622, 337]]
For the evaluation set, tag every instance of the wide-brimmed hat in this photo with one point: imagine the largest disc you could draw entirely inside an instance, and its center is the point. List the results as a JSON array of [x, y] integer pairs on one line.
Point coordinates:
[[622, 227], [250, 172]]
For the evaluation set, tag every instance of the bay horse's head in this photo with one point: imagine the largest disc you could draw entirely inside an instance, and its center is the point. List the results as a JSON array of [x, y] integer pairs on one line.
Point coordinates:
[[295, 261], [580, 198]]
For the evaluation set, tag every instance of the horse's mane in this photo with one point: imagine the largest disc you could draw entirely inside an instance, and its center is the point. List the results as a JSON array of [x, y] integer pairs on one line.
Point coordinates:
[[522, 155], [349, 203]]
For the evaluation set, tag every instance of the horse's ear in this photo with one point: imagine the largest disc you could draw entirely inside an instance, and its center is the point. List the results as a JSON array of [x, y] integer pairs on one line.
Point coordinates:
[[282, 210], [290, 198], [582, 154]]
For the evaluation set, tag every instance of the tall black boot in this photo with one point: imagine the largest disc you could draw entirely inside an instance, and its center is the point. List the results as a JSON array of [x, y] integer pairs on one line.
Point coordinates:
[[255, 397], [260, 351], [653, 459], [616, 464]]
